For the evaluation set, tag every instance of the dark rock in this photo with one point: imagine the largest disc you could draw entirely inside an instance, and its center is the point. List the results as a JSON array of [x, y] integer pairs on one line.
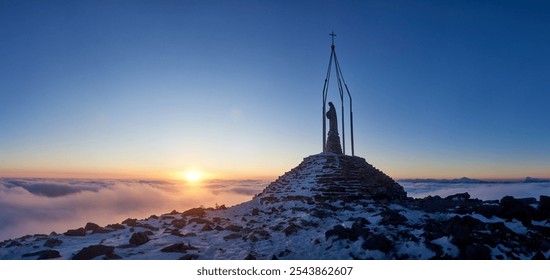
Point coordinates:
[[544, 207], [174, 212], [476, 252], [458, 197], [231, 236], [518, 209], [91, 226], [377, 242], [207, 227], [489, 211], [139, 238], [176, 232], [130, 222], [178, 248], [153, 217], [116, 226], [255, 212], [76, 232], [52, 242], [189, 257], [112, 256], [460, 228], [43, 255], [102, 230], [434, 204], [147, 226], [234, 228], [14, 244], [190, 234], [390, 217], [250, 257], [179, 223], [257, 235], [195, 212], [538, 256], [291, 229], [339, 231], [93, 251], [200, 221]]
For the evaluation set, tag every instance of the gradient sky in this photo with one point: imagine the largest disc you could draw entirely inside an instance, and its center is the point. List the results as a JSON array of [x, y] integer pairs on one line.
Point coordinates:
[[234, 88]]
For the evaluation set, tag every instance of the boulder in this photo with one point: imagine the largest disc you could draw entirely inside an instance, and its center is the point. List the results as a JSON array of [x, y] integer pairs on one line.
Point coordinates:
[[75, 232], [544, 204], [207, 227], [116, 226], [250, 256], [291, 229], [234, 228], [199, 212], [391, 217], [43, 255], [139, 238], [200, 221], [102, 230], [91, 226], [377, 242], [178, 223], [476, 252], [231, 236], [518, 209], [130, 222], [93, 251], [178, 248], [189, 257], [458, 197], [52, 242]]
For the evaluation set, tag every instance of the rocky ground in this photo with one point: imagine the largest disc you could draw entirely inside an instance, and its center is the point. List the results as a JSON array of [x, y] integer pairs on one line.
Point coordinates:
[[329, 207]]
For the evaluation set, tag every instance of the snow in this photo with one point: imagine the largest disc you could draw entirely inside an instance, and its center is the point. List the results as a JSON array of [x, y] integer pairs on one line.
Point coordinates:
[[448, 248]]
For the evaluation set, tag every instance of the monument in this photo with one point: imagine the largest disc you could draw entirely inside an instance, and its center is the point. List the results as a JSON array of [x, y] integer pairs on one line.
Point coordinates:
[[332, 143], [333, 139]]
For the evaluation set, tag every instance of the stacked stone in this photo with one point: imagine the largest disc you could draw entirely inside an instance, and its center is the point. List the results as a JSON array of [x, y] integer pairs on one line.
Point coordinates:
[[333, 143], [330, 177]]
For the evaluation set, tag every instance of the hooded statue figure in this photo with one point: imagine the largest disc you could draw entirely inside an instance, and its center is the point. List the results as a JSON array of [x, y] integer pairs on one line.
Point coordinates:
[[333, 121], [333, 139]]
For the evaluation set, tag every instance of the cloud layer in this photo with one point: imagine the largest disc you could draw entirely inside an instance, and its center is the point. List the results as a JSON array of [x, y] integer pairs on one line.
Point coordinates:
[[43, 205], [32, 206], [484, 191]]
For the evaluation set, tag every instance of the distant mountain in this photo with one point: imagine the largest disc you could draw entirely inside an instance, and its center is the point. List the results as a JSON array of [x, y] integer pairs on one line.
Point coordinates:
[[466, 180], [535, 180], [463, 180]]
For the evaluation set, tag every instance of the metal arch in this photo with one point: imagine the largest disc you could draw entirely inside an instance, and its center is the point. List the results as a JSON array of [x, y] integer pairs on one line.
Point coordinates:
[[341, 85]]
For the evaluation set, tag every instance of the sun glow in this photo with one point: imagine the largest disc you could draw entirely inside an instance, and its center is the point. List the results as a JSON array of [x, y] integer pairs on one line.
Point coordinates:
[[193, 176]]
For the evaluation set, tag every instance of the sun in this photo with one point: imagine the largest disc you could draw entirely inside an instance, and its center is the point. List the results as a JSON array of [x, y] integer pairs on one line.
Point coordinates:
[[193, 176]]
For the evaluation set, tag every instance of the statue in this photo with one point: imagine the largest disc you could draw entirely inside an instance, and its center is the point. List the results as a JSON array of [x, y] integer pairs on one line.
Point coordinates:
[[333, 139], [331, 116]]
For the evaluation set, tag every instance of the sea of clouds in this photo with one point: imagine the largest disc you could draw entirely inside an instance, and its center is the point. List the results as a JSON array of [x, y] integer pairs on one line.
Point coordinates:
[[30, 206], [484, 191]]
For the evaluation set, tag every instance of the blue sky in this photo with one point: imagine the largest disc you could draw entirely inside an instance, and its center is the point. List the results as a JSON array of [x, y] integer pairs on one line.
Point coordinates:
[[234, 88]]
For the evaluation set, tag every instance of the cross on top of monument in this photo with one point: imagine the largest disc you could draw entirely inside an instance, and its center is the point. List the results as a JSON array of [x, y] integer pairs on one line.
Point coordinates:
[[332, 35]]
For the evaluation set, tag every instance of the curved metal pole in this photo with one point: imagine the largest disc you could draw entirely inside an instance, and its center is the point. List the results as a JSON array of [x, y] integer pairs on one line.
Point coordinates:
[[341, 91], [341, 76], [325, 94]]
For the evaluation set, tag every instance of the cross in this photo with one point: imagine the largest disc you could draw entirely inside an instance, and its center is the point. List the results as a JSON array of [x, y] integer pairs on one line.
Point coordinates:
[[332, 35]]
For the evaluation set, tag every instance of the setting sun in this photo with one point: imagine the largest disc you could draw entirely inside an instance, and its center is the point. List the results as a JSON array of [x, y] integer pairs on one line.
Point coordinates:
[[193, 176]]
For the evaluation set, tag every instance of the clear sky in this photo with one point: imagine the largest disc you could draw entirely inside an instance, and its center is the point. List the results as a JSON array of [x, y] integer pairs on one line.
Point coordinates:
[[234, 88]]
